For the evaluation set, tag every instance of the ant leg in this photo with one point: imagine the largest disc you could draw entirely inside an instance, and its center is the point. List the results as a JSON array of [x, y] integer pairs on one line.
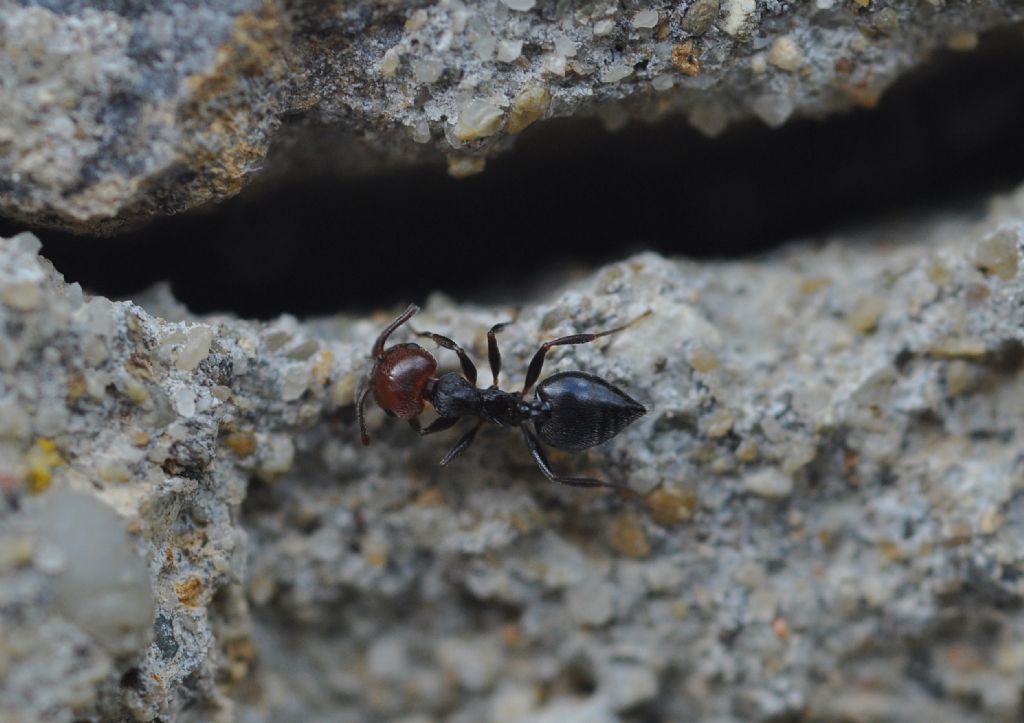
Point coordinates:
[[378, 346], [468, 367], [537, 363], [361, 414], [462, 445], [438, 425], [542, 461], [493, 354]]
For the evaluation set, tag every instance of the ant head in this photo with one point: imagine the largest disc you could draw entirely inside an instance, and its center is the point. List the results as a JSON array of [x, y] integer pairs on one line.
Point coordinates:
[[398, 379]]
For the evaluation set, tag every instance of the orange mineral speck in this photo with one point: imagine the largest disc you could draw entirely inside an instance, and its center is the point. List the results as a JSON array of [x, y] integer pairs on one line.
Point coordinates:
[[627, 536], [189, 592]]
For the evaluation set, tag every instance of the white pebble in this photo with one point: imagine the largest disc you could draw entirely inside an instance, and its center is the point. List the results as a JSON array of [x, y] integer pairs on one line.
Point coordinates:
[[565, 46], [196, 347], [427, 70], [21, 295], [555, 64], [773, 109], [280, 454], [645, 19], [478, 118], [662, 82], [390, 62], [421, 132], [520, 5], [485, 46], [769, 482], [184, 402], [737, 16], [604, 27], [104, 585], [509, 50], [616, 72], [785, 54]]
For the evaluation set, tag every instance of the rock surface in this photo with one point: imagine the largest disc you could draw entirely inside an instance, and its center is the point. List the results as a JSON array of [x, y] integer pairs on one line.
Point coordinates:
[[114, 112], [829, 523]]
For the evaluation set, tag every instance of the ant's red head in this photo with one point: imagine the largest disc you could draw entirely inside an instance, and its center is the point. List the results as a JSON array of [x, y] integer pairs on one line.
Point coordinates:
[[399, 375]]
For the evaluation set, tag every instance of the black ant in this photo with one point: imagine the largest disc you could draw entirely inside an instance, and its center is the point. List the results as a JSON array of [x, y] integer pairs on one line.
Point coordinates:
[[570, 410]]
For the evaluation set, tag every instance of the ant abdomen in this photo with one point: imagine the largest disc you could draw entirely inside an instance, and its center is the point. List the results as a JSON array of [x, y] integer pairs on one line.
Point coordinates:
[[582, 410]]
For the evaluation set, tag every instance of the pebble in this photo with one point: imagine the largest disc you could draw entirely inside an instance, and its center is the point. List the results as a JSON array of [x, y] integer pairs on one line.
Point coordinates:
[[998, 255], [390, 62], [509, 50], [865, 315], [21, 295], [739, 15], [627, 536], [669, 505], [465, 166], [616, 72], [520, 5], [478, 118], [768, 482], [685, 58], [699, 16], [645, 19], [785, 54], [427, 70], [529, 106]]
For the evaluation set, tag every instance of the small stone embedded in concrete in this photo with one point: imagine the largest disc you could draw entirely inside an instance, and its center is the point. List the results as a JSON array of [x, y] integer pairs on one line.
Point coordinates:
[[509, 50], [768, 482], [529, 106], [616, 72], [785, 54], [999, 254], [478, 118], [685, 58], [390, 63], [103, 584], [645, 19], [465, 166], [866, 312], [196, 347], [738, 17], [628, 537], [604, 27], [670, 505], [699, 16], [520, 5], [427, 70]]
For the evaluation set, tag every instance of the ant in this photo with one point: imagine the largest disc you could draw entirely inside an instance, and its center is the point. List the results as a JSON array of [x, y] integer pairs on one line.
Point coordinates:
[[570, 410]]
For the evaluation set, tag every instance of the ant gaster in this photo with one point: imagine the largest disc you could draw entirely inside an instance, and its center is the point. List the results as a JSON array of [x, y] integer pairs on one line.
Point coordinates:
[[570, 410]]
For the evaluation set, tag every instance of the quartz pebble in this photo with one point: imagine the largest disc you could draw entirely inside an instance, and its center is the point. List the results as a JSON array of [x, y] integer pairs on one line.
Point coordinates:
[[520, 5], [645, 19]]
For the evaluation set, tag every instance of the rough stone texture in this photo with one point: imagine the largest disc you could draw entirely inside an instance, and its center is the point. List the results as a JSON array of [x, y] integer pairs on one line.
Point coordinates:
[[112, 112], [828, 525]]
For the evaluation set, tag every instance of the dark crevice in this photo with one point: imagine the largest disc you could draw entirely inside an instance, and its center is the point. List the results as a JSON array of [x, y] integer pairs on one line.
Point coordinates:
[[570, 195]]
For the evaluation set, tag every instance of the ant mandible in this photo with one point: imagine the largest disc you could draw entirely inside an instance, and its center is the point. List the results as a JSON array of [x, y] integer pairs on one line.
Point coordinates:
[[570, 410]]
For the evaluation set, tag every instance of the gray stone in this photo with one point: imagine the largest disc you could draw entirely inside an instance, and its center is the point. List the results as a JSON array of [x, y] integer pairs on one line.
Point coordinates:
[[111, 113], [830, 523]]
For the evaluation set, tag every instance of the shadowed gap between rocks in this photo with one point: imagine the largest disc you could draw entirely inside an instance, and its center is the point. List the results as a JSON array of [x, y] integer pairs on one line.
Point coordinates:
[[570, 196]]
